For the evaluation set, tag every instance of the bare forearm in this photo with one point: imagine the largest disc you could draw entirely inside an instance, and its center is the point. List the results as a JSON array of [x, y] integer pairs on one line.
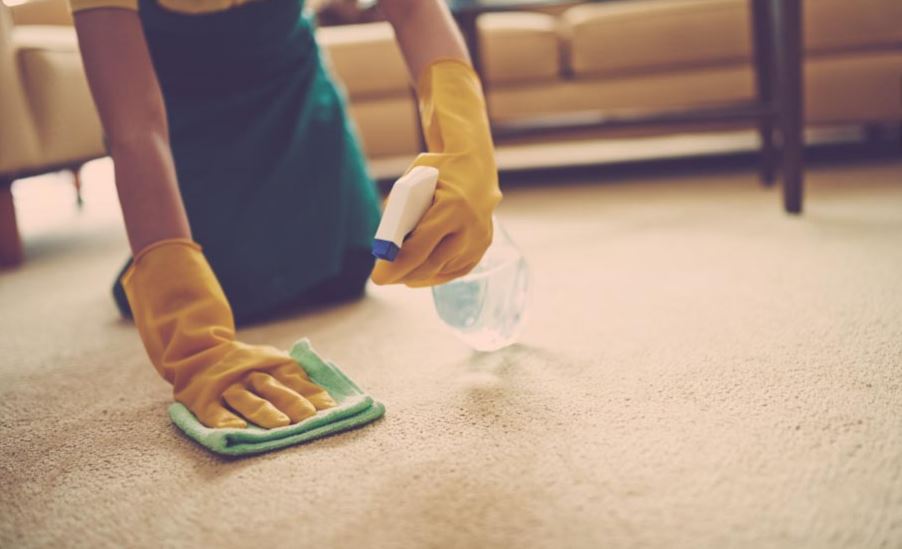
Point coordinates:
[[425, 32], [131, 108], [148, 194]]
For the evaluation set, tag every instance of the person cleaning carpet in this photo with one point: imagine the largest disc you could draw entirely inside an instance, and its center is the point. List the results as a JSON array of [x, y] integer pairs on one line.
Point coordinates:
[[244, 191]]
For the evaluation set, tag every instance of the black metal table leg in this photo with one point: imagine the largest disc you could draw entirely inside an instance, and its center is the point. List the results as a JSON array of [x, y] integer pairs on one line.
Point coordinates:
[[763, 60], [787, 26]]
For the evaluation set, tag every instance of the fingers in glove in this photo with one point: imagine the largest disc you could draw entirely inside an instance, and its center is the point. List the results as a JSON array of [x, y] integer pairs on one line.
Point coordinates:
[[217, 417], [288, 401], [442, 277], [416, 249], [448, 250], [253, 408], [296, 379]]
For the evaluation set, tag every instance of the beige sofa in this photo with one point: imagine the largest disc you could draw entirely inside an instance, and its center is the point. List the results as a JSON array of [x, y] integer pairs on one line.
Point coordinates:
[[635, 54], [47, 119]]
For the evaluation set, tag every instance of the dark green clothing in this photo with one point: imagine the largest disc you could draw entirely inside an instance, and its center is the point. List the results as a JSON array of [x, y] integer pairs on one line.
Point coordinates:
[[270, 171]]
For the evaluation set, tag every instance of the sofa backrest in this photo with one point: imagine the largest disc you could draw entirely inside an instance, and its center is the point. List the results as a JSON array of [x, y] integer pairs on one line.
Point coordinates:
[[42, 12], [646, 36]]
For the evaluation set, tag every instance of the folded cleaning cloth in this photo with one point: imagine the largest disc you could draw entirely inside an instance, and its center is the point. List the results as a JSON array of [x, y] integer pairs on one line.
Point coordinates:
[[355, 409]]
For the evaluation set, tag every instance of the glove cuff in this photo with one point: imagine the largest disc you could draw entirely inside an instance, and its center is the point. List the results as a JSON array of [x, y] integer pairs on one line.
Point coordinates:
[[168, 242], [177, 304], [445, 65]]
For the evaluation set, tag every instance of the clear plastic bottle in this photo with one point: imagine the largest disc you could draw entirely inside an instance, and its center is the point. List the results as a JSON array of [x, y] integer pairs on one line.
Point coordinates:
[[486, 308]]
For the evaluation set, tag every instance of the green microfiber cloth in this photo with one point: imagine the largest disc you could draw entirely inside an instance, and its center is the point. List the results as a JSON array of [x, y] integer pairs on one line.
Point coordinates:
[[355, 409]]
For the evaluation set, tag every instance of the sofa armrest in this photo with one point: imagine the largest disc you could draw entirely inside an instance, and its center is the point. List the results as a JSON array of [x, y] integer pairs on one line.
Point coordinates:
[[19, 147]]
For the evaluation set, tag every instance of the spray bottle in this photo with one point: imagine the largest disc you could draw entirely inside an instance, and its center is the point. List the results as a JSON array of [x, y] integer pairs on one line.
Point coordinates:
[[486, 307]]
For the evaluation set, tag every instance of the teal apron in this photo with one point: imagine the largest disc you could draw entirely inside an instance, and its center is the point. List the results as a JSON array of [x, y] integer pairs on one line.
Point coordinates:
[[271, 174]]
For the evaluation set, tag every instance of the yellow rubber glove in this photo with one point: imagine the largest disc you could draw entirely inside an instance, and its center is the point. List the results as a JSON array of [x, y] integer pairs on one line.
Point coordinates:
[[456, 230], [186, 324]]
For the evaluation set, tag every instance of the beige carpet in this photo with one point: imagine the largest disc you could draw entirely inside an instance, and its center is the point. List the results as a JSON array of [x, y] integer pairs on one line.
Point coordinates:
[[700, 371]]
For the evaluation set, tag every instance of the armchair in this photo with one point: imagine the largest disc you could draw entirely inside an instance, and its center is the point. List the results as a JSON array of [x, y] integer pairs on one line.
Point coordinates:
[[48, 119]]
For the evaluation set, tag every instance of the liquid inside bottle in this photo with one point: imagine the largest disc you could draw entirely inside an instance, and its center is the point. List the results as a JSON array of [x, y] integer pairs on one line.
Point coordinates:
[[487, 307]]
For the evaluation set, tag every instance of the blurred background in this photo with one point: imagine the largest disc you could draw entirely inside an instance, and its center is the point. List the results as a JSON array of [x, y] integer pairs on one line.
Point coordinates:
[[569, 84]]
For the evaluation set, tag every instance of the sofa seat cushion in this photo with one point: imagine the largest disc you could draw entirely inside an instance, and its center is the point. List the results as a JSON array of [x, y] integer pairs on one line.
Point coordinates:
[[53, 79], [839, 89], [653, 35], [687, 89], [366, 59], [388, 126], [519, 47], [855, 87], [840, 25]]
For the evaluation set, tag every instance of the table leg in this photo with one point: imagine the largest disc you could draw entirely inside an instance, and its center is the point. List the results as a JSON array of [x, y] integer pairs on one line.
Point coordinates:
[[787, 25], [763, 58]]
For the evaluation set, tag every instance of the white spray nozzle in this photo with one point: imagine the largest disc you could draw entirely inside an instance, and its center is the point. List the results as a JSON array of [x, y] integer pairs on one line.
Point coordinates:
[[408, 200]]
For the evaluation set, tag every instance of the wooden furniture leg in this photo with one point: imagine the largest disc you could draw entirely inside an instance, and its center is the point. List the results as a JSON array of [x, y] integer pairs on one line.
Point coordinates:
[[76, 181], [10, 241]]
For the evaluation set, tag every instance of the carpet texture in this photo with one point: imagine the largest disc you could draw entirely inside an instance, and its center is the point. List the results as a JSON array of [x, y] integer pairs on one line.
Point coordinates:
[[700, 370]]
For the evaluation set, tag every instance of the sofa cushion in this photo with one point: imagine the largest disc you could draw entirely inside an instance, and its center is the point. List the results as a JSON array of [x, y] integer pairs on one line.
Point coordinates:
[[387, 127], [837, 25], [649, 35], [851, 88], [62, 109], [366, 59], [855, 87], [519, 47]]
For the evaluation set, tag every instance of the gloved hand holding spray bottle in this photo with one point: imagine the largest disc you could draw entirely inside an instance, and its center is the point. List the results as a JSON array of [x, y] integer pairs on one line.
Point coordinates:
[[445, 203]]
